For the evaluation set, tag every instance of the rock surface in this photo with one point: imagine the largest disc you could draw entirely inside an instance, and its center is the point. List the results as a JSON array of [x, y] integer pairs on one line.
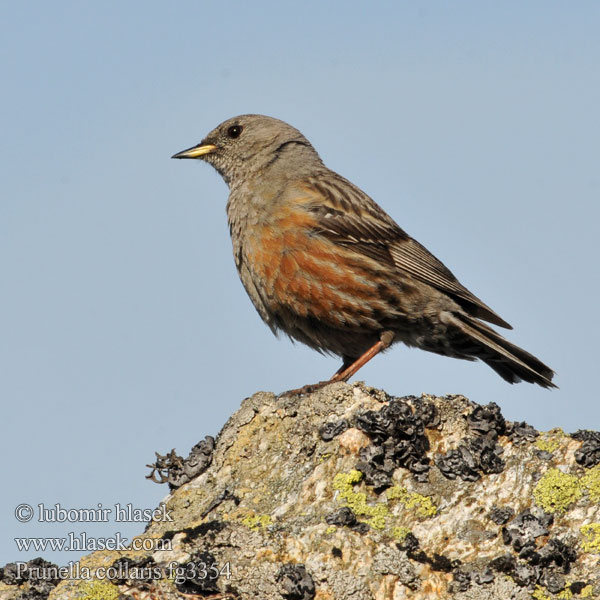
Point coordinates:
[[348, 493]]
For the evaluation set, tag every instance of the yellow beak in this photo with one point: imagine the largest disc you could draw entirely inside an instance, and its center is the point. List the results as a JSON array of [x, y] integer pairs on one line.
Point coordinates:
[[195, 151]]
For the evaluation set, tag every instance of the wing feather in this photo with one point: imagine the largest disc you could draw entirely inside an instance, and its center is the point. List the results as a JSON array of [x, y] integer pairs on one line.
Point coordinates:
[[347, 216]]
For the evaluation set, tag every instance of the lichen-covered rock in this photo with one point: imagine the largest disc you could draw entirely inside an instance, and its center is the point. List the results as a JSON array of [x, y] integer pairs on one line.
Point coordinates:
[[348, 493]]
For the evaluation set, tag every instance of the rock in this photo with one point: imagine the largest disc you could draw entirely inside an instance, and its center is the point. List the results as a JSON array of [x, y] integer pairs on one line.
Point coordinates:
[[348, 493]]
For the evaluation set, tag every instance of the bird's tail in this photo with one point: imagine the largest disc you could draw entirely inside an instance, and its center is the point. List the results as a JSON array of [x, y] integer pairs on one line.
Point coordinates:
[[476, 340]]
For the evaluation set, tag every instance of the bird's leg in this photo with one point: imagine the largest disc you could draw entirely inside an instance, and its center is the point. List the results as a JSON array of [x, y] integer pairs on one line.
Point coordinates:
[[348, 368], [346, 371], [348, 360]]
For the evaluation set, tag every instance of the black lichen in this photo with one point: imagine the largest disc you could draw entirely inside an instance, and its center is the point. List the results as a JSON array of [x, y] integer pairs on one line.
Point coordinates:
[[504, 564], [488, 454], [588, 455], [332, 429], [525, 528], [461, 581], [139, 572], [376, 466], [472, 457], [555, 552], [176, 471], [488, 419], [426, 411], [437, 562], [521, 433], [344, 517], [459, 462], [500, 516], [577, 586], [409, 544], [543, 454], [295, 582], [553, 582], [484, 577], [534, 564], [40, 575], [206, 530], [198, 576], [537, 568], [480, 453], [398, 440], [526, 575], [9, 574]]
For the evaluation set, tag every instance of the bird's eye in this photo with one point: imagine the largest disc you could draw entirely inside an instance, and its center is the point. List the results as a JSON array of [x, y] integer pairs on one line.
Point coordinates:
[[235, 131]]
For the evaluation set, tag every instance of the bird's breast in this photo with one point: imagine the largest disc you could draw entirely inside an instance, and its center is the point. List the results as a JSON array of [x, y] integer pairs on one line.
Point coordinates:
[[299, 272]]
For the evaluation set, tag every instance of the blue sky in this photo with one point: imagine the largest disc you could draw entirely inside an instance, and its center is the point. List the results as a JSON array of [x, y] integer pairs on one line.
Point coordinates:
[[124, 327]]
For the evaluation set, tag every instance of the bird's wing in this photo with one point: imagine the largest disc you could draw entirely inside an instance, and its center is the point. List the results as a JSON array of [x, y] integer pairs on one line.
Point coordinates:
[[347, 216]]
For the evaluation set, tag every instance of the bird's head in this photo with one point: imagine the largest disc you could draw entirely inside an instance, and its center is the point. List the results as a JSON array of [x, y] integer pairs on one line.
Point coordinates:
[[247, 145]]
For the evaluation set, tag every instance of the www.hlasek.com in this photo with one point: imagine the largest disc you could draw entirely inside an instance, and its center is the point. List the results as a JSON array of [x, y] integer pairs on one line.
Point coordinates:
[[83, 543]]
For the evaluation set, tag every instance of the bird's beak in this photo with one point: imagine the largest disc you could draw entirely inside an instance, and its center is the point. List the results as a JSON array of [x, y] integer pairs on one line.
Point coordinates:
[[195, 151]]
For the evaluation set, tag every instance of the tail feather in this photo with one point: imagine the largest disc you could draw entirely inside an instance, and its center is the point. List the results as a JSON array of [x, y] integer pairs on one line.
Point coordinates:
[[512, 363]]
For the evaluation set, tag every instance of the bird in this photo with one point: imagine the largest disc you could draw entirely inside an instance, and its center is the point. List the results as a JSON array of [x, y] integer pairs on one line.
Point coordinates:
[[323, 263]]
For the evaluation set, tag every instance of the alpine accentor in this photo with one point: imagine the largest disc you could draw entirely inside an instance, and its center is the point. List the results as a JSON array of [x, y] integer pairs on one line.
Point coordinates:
[[324, 263]]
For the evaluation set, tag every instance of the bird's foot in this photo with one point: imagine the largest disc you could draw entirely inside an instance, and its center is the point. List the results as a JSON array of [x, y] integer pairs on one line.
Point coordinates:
[[306, 389], [348, 369]]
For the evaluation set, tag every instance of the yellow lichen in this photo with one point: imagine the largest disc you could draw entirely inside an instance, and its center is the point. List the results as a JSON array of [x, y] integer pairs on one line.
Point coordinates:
[[331, 529], [400, 533], [591, 482], [253, 521], [556, 491], [397, 492], [377, 515], [566, 594], [540, 593], [357, 501], [343, 482], [546, 444], [591, 535], [422, 505], [98, 590], [586, 592]]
